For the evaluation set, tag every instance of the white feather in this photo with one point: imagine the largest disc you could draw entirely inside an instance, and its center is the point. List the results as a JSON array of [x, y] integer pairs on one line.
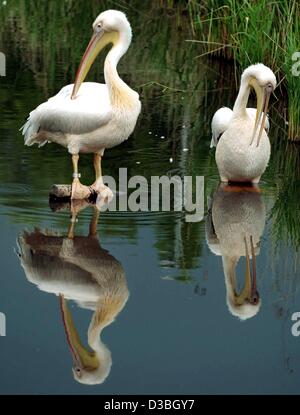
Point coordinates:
[[90, 110], [221, 121]]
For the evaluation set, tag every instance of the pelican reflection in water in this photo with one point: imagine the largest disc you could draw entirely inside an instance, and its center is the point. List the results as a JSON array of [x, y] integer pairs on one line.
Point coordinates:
[[77, 268], [234, 227]]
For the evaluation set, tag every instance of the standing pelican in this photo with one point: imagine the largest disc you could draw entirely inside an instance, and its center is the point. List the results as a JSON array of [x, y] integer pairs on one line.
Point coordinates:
[[243, 150], [90, 117], [78, 269], [234, 226]]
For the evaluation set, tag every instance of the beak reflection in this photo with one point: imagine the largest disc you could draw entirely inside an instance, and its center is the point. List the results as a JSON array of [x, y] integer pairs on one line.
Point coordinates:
[[249, 292]]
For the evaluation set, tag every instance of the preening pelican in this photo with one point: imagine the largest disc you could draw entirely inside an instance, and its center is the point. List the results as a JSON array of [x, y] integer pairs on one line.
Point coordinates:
[[243, 150], [90, 117], [221, 121], [78, 269], [234, 227]]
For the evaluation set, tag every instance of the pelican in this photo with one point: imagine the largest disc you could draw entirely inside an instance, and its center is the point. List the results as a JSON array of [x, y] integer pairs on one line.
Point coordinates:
[[234, 226], [222, 119], [78, 269], [88, 117], [243, 149]]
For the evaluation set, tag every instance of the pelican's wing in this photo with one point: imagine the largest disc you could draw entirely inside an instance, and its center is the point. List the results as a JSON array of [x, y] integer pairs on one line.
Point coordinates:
[[252, 114], [219, 124], [89, 111]]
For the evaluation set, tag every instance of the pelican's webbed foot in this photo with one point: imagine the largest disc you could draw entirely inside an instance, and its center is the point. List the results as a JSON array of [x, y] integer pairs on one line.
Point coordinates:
[[80, 191], [104, 192]]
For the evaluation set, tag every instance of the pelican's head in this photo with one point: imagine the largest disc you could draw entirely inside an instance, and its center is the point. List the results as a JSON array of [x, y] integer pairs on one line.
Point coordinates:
[[108, 27], [245, 304], [243, 311], [263, 80], [90, 367], [94, 376]]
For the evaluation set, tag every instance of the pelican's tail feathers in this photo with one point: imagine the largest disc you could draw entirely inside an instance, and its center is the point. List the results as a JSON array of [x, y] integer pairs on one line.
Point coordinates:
[[30, 131]]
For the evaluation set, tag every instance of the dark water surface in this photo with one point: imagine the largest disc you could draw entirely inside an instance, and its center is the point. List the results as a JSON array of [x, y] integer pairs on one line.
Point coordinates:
[[175, 333]]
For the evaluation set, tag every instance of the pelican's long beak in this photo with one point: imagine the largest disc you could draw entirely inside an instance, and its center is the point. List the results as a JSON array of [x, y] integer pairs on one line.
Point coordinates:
[[82, 358], [267, 94], [97, 43], [263, 97], [249, 291]]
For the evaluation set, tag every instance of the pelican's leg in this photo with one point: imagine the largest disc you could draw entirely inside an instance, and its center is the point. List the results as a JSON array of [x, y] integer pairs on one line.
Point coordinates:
[[94, 223], [79, 191], [98, 186], [76, 207], [72, 226]]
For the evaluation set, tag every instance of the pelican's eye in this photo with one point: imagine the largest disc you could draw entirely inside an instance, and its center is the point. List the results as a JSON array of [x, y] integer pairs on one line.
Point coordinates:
[[99, 27], [270, 87], [78, 371], [255, 298]]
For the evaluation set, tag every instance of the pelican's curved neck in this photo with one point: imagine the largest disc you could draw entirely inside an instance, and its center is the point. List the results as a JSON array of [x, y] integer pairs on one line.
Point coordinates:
[[119, 91], [104, 315], [229, 266], [96, 326], [241, 102], [96, 344]]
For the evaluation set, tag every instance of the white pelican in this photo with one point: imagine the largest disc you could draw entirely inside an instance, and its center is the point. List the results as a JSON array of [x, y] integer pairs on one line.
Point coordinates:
[[89, 117], [243, 150], [78, 269], [234, 226], [221, 121]]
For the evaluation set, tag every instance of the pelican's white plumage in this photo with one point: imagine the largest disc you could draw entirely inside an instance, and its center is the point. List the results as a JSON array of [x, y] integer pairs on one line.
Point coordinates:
[[237, 217], [60, 118], [243, 150], [221, 121], [90, 117], [219, 124]]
